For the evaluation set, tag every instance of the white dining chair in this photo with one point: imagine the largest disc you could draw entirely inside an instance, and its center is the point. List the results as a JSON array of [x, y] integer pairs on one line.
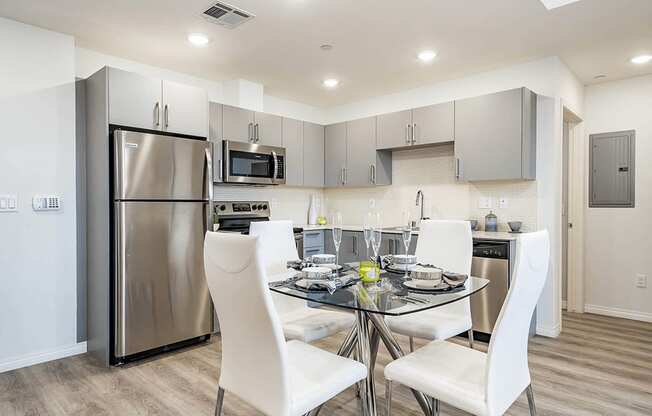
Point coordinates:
[[448, 245], [299, 321], [277, 377], [484, 384]]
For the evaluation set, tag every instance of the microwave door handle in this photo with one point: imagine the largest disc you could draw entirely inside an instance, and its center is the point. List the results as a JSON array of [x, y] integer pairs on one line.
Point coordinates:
[[209, 184], [275, 166]]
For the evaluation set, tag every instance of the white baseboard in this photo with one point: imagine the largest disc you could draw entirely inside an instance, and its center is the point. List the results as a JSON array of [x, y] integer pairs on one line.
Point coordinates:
[[619, 313], [549, 331], [41, 357]]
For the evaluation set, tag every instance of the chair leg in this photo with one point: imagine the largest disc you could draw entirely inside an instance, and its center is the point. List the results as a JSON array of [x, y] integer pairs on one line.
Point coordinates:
[[411, 344], [470, 338], [220, 401], [530, 400], [434, 405], [388, 397]]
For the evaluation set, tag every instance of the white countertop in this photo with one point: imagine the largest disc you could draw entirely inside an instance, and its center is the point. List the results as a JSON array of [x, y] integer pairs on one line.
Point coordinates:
[[484, 235]]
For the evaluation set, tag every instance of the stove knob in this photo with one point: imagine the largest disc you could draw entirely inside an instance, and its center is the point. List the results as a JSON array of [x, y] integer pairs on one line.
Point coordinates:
[[254, 207], [222, 207], [265, 206]]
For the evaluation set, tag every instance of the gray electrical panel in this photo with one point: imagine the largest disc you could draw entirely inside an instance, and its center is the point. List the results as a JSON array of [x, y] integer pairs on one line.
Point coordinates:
[[611, 170]]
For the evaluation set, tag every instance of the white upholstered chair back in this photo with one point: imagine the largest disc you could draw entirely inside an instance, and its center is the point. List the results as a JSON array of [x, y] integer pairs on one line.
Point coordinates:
[[278, 247], [449, 245], [507, 369], [277, 244], [254, 352]]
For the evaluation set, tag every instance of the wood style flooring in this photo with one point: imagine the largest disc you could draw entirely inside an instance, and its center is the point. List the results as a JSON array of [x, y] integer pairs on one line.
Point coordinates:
[[598, 366]]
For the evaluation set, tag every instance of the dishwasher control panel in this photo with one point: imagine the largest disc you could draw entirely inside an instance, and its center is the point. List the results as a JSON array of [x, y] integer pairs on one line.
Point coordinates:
[[491, 249]]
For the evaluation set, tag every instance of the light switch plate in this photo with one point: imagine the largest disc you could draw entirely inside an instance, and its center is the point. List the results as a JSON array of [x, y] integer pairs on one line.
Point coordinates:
[[46, 203], [503, 202], [641, 281], [8, 203]]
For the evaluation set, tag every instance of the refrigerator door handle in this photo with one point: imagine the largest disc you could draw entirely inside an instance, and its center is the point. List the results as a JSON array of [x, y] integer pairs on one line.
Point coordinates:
[[209, 185]]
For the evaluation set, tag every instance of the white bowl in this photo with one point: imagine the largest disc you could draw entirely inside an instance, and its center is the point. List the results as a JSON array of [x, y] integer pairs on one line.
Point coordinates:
[[404, 259], [323, 259], [317, 273]]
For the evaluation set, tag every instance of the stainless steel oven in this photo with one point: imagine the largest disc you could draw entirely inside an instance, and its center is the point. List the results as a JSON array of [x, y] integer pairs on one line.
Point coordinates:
[[248, 163]]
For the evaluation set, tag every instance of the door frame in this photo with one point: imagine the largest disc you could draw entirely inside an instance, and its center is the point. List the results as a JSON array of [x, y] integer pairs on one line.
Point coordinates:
[[577, 177]]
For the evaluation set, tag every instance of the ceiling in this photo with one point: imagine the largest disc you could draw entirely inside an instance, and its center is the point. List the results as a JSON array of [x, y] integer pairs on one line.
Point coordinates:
[[375, 42]]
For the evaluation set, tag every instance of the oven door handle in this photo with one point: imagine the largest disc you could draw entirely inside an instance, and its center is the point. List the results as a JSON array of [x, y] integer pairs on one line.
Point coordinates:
[[275, 166]]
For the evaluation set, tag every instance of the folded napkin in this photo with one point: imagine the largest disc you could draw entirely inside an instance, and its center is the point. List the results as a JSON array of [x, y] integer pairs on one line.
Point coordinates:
[[331, 285]]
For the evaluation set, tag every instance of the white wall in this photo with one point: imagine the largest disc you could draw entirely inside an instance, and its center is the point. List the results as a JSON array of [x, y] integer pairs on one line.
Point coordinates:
[[37, 250], [617, 240]]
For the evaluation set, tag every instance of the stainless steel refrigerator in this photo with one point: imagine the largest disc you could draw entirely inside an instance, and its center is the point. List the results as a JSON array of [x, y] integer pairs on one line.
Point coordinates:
[[162, 207]]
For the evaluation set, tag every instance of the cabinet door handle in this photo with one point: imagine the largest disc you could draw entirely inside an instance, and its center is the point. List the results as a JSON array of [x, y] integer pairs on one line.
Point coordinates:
[[157, 114], [250, 134], [407, 134], [346, 176], [373, 174], [414, 133], [166, 116], [256, 136], [355, 244], [457, 168], [220, 169]]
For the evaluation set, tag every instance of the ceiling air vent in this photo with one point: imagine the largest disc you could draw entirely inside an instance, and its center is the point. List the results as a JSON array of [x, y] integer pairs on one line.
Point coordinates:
[[226, 15]]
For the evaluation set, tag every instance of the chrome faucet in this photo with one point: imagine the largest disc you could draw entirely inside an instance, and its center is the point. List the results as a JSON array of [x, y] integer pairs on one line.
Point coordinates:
[[420, 196]]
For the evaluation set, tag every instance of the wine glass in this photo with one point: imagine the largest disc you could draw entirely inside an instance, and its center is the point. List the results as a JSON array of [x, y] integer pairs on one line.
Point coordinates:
[[376, 235], [337, 237], [406, 233], [367, 228]]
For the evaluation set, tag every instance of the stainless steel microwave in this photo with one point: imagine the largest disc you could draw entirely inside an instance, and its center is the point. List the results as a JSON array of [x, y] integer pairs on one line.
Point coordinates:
[[248, 163]]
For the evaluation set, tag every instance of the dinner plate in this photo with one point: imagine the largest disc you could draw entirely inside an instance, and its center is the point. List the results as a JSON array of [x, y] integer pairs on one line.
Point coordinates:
[[426, 285]]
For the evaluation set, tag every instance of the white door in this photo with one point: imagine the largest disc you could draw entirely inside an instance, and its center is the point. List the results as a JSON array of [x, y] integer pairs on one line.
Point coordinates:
[[185, 109], [134, 100]]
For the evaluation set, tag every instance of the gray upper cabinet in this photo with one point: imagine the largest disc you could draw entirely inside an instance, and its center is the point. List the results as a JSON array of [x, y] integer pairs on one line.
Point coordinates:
[[313, 155], [293, 142], [215, 136], [185, 109], [433, 124], [335, 155], [134, 100], [267, 129], [149, 103], [394, 130], [238, 124], [495, 136], [361, 152]]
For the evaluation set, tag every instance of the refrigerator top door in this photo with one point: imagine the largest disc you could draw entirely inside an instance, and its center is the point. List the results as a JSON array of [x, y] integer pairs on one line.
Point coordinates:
[[156, 167]]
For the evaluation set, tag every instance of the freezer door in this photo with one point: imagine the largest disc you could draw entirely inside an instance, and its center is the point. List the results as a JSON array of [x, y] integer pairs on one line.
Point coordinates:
[[161, 296], [150, 166]]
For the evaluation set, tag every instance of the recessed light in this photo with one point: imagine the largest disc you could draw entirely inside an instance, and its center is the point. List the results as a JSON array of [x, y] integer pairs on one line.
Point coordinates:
[[642, 59], [198, 39], [427, 56], [330, 83]]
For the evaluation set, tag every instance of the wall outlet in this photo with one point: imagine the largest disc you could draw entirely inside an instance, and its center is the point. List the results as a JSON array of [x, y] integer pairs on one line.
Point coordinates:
[[372, 203], [503, 202], [484, 202], [641, 281]]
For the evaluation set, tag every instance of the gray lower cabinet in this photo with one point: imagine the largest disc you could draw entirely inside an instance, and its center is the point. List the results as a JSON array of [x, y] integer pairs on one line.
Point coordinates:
[[313, 155], [292, 141], [393, 244], [419, 126], [350, 248], [335, 155], [495, 136]]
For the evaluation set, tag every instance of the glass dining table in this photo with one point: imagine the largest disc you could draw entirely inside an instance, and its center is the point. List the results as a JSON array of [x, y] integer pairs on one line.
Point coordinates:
[[369, 303]]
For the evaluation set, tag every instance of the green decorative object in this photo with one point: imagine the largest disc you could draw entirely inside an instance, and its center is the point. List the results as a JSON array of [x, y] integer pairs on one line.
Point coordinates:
[[321, 220], [369, 272]]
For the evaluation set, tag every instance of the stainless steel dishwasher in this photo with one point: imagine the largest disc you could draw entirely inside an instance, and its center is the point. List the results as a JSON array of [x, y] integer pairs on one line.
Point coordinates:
[[491, 261]]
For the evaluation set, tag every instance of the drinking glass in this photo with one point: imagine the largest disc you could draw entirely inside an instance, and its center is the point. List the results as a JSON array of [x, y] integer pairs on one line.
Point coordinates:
[[366, 228], [406, 233], [337, 237], [376, 234]]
